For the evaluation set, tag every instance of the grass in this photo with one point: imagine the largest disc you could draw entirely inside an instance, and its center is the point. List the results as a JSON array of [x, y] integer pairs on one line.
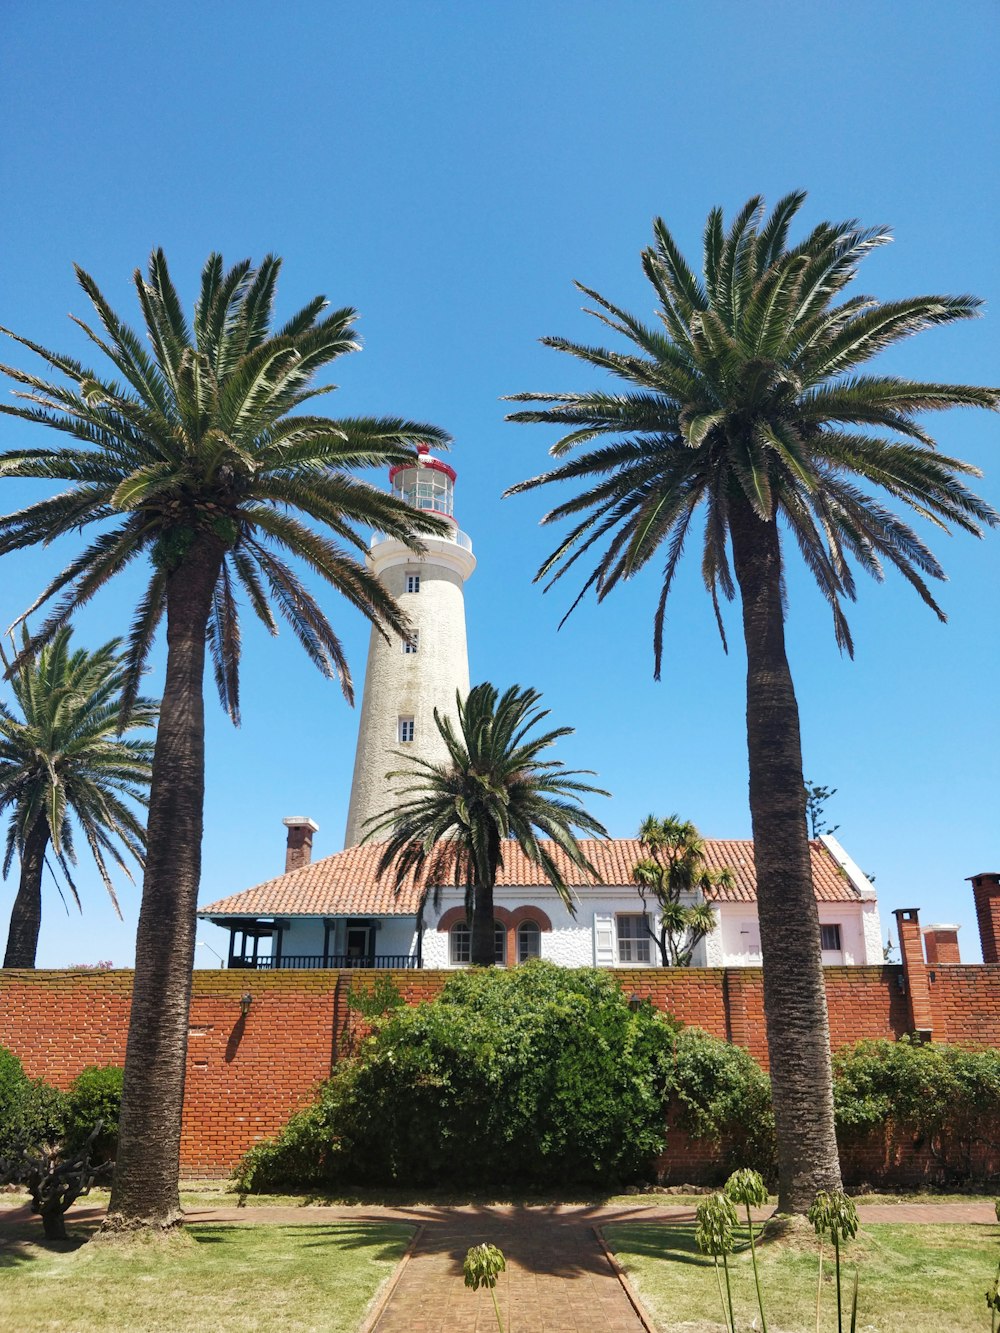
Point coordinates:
[[914, 1279], [225, 1278], [220, 1194]]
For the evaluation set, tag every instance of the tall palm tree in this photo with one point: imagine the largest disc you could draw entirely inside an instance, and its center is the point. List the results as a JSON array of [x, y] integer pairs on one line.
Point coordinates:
[[199, 458], [746, 397], [454, 817], [64, 761]]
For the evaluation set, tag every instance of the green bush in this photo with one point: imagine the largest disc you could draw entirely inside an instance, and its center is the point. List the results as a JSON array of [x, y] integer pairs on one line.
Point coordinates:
[[95, 1094], [537, 1076], [31, 1112], [946, 1097], [718, 1091]]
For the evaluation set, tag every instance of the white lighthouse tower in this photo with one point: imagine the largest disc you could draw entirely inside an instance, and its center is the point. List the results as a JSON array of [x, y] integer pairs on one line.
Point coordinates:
[[405, 680]]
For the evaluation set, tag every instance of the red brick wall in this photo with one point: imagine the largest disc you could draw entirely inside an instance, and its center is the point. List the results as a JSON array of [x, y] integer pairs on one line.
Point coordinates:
[[245, 1077], [729, 1002], [965, 1002], [877, 1158]]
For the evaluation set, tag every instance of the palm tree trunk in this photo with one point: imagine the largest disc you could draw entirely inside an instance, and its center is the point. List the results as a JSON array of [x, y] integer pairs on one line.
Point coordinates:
[[26, 915], [144, 1192], [798, 1035], [483, 946]]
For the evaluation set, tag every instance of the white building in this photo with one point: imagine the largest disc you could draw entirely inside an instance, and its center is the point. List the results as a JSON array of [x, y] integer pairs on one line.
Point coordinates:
[[337, 912]]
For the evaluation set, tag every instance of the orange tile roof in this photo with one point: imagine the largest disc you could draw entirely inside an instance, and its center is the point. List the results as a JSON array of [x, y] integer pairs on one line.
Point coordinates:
[[346, 883]]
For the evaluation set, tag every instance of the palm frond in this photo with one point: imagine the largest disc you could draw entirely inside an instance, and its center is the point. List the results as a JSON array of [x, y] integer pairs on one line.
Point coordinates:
[[755, 374]]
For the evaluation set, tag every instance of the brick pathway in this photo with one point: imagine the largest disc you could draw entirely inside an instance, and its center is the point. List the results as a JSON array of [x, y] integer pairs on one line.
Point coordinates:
[[558, 1279]]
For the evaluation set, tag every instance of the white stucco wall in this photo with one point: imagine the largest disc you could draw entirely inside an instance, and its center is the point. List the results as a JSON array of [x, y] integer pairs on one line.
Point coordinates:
[[737, 943], [872, 929], [572, 941]]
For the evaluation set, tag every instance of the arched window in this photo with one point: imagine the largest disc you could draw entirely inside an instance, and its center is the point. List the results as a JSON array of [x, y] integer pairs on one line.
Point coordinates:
[[529, 941], [460, 944]]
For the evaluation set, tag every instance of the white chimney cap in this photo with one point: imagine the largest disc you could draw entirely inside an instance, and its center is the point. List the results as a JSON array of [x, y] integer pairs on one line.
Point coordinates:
[[297, 821]]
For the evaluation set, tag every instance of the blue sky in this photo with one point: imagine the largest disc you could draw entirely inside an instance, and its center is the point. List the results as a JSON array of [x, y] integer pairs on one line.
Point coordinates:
[[449, 169]]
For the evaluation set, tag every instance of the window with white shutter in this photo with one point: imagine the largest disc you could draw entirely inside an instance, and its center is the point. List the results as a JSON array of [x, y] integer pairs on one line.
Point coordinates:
[[604, 941]]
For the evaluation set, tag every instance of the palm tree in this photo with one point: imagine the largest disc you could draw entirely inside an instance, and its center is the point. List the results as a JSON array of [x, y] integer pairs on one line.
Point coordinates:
[[746, 397], [674, 867], [64, 761], [197, 455], [454, 817]]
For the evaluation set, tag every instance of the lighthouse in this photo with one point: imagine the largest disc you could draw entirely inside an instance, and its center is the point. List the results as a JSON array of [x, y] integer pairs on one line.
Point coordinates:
[[406, 679]]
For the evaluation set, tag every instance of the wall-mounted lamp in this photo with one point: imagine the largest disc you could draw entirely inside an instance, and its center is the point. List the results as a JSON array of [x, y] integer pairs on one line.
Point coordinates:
[[634, 1003], [246, 1000]]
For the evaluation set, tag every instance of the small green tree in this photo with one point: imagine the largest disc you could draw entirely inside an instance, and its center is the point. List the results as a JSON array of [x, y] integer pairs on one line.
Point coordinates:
[[816, 799], [673, 870], [715, 1221], [748, 1188], [483, 1264], [836, 1213]]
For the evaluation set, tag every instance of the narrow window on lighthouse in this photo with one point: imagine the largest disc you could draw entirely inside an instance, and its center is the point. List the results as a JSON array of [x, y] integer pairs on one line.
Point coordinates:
[[413, 583], [410, 645], [405, 729]]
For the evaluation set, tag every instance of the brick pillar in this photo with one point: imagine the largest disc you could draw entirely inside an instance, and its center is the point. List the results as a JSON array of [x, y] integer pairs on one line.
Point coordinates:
[[911, 951], [941, 944], [986, 891], [298, 848]]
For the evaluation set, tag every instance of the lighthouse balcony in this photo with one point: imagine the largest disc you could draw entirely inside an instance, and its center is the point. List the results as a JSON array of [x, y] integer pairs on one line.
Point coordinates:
[[454, 537]]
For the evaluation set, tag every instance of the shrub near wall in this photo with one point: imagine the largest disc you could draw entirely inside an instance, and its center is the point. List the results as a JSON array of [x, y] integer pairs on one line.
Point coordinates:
[[35, 1116], [718, 1111], [533, 1077], [907, 1114], [31, 1112], [912, 1112]]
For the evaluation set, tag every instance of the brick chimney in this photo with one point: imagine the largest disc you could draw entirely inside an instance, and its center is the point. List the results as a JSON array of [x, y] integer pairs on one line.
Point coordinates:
[[914, 970], [941, 944], [298, 848], [986, 891]]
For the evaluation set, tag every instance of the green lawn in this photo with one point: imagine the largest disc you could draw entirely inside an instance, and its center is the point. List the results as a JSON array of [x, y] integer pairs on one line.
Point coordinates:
[[221, 1278], [914, 1279], [220, 1194]]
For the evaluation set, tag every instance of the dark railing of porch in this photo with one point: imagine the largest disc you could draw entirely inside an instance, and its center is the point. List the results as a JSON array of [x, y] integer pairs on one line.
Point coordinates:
[[309, 960]]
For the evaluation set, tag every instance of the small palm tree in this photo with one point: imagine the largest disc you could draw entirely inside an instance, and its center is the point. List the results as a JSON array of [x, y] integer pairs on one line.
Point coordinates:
[[674, 868], [746, 401], [64, 761], [196, 456], [454, 818]]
